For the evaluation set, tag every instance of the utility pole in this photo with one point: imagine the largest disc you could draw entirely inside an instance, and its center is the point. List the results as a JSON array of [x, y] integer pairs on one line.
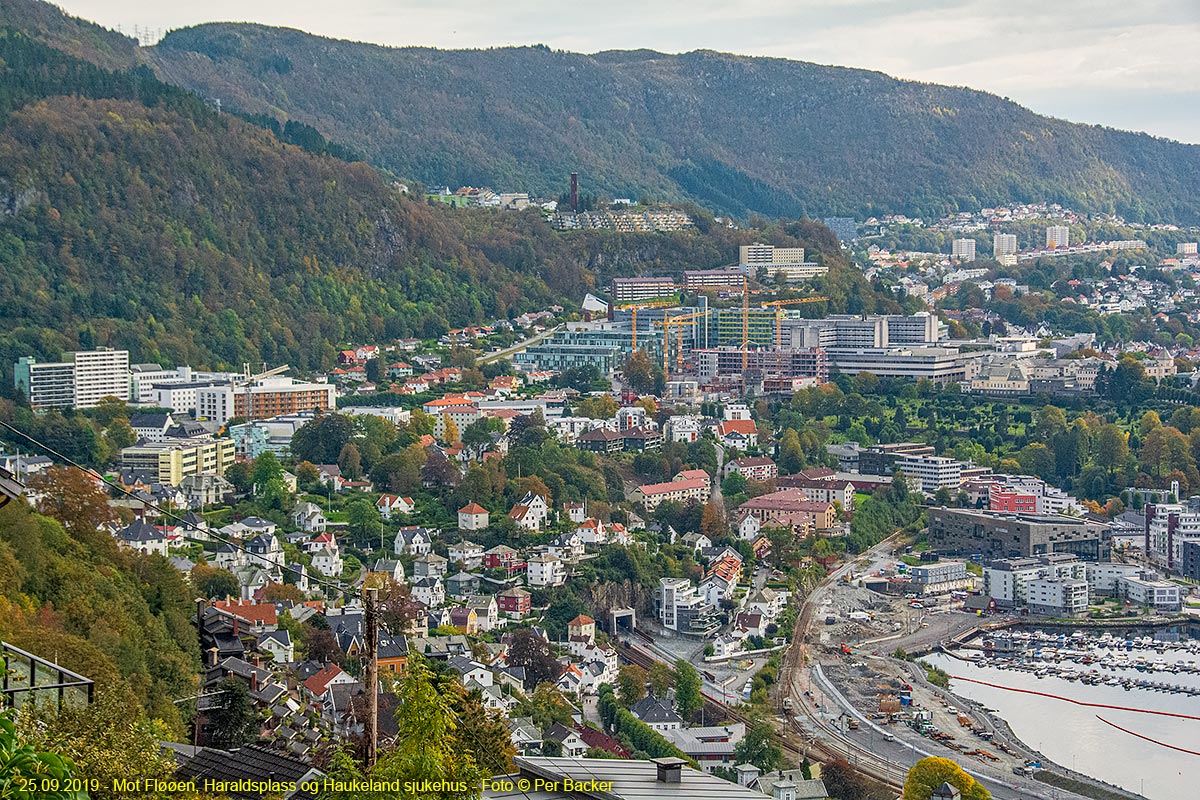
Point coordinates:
[[371, 642]]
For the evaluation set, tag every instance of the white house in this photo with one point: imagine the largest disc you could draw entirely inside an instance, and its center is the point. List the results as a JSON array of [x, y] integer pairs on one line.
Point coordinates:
[[145, 538], [531, 513], [429, 591], [390, 504], [468, 554], [472, 517], [278, 644], [414, 541], [309, 517], [327, 562], [546, 570], [747, 525]]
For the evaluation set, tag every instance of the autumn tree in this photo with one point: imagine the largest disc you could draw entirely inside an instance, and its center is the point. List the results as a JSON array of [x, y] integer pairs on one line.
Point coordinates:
[[22, 762], [73, 497], [450, 433], [791, 454], [929, 773]]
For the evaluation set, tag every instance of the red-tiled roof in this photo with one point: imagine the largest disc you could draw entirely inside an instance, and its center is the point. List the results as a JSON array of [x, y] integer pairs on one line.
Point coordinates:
[[261, 613]]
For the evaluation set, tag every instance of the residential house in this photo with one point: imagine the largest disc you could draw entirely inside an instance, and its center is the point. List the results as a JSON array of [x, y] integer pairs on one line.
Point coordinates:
[[514, 603], [531, 512], [567, 741], [737, 434], [430, 565], [546, 570], [462, 584], [414, 541], [205, 490], [328, 562], [503, 557], [389, 504], [143, 537], [583, 628], [753, 468], [472, 517], [389, 568], [277, 644], [567, 546], [656, 713], [487, 611], [465, 620], [467, 555], [309, 517], [429, 591], [264, 551], [679, 490]]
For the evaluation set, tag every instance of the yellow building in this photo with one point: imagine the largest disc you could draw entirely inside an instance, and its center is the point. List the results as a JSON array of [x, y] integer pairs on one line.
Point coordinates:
[[170, 461]]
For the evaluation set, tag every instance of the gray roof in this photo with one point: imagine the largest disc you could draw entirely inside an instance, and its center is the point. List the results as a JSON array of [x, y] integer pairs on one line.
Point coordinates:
[[651, 710], [631, 780]]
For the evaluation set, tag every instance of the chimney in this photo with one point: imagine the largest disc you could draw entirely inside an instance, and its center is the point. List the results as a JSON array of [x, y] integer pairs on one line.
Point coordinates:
[[211, 656], [254, 680], [670, 770]]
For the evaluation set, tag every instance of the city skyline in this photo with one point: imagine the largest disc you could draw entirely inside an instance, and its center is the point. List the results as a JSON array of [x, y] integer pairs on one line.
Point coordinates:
[[1101, 63]]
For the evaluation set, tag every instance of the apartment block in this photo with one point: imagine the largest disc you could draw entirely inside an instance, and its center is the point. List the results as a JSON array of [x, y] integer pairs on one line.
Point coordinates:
[[263, 398], [1058, 236], [632, 290], [934, 472], [963, 250], [682, 608], [81, 380], [1004, 244], [783, 263], [170, 461]]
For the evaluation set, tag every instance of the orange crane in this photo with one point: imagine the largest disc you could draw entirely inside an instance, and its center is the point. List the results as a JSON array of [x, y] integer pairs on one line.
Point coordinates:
[[666, 323], [779, 304], [635, 307]]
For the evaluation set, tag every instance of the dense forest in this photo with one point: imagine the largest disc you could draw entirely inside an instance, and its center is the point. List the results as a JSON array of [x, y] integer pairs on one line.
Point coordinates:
[[737, 134]]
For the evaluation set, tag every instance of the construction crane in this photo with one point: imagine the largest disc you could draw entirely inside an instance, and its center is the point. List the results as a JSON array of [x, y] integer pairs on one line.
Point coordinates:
[[635, 307], [778, 305], [666, 323], [248, 381]]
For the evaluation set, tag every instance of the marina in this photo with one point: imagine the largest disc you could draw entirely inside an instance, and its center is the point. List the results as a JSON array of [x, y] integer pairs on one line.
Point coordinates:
[[1123, 707]]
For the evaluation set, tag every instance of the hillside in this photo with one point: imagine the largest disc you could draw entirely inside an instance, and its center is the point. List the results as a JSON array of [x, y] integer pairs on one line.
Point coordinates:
[[737, 134], [134, 215]]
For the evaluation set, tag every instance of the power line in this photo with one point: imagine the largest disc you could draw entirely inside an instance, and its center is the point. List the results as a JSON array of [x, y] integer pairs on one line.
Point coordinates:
[[300, 573]]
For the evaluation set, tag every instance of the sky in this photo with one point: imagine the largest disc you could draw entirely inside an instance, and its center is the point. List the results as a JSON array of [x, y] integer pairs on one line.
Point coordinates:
[[1131, 64]]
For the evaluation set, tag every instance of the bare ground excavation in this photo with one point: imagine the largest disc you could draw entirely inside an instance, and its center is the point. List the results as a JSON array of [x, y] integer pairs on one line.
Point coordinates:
[[859, 641]]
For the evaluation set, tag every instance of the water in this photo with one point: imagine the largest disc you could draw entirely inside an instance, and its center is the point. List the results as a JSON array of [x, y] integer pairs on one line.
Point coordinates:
[[1073, 735]]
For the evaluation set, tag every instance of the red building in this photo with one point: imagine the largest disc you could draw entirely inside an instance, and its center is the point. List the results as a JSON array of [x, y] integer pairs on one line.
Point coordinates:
[[514, 602], [1004, 498]]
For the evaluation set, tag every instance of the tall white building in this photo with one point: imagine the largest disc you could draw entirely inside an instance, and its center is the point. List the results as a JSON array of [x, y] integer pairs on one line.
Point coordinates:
[[1186, 248], [934, 472], [81, 380], [1004, 248], [779, 262], [1058, 236], [963, 249]]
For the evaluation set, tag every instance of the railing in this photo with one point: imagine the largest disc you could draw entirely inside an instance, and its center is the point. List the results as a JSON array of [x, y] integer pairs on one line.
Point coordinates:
[[28, 678]]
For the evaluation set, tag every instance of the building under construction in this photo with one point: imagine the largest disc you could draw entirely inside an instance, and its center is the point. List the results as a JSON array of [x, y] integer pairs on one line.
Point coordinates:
[[721, 362]]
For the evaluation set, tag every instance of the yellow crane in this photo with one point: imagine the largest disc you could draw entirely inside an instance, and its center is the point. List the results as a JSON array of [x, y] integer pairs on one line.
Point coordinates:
[[666, 323], [778, 305], [635, 307]]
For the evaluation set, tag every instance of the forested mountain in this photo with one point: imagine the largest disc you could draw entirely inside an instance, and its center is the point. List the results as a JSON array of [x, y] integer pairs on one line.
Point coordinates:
[[737, 134], [132, 214]]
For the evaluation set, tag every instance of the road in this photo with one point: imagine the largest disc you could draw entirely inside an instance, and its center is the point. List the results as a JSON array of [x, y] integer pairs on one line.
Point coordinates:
[[518, 347]]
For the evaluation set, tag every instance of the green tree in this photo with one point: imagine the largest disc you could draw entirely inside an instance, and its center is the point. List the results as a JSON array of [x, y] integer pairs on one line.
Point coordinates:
[[791, 454], [270, 489], [321, 439], [21, 763], [930, 773], [350, 461], [365, 524], [214, 583], [631, 684], [758, 747], [1111, 448], [688, 699], [232, 722], [661, 678]]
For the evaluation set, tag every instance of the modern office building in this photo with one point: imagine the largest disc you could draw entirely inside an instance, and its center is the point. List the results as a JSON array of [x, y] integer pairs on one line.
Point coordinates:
[[1007, 581], [963, 250], [604, 345], [262, 398], [81, 380], [845, 331], [170, 461], [1058, 236], [881, 459], [632, 290], [725, 327], [1189, 564], [991, 535], [937, 364]]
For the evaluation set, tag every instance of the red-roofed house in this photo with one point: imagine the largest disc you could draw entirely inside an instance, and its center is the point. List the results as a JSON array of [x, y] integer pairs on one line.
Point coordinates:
[[390, 504], [318, 685], [792, 508], [472, 517], [737, 433], [652, 495], [261, 616]]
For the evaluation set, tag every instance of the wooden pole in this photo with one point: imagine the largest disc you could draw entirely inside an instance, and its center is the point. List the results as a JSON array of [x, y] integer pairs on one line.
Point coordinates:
[[371, 641]]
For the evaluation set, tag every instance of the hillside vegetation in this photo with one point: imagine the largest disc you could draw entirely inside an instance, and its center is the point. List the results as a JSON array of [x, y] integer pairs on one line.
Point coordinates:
[[737, 134]]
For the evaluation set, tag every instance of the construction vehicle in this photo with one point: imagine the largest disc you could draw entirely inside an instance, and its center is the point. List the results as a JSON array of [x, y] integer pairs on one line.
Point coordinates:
[[846, 649]]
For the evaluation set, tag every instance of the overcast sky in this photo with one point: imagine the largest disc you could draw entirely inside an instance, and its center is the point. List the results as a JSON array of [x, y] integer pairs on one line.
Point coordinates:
[[1131, 64]]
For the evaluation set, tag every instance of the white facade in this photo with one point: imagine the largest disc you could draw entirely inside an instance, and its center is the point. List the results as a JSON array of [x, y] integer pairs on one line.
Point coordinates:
[[546, 570], [1058, 596], [1058, 236], [963, 249], [934, 472], [1160, 595], [1004, 244]]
